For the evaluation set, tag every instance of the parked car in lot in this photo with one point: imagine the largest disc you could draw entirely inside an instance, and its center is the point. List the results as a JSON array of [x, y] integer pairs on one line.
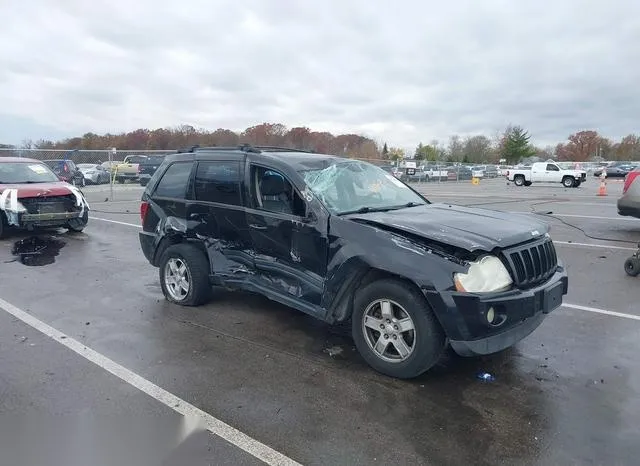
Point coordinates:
[[629, 202], [67, 171], [147, 167], [32, 195], [344, 241], [128, 169], [93, 173], [544, 172], [616, 170]]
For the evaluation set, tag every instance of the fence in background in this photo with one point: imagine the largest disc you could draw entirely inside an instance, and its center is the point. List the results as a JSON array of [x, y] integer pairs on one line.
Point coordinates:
[[431, 171], [79, 156]]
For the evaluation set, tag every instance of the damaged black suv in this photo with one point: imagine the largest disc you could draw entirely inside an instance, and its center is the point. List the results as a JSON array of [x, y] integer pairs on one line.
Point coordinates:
[[344, 241]]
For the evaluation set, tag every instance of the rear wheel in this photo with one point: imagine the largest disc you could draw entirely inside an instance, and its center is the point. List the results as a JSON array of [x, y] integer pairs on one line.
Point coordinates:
[[184, 275], [632, 266], [395, 330], [568, 181], [519, 180]]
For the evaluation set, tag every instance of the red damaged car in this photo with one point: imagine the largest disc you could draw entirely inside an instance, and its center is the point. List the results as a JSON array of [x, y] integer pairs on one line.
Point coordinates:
[[32, 196]]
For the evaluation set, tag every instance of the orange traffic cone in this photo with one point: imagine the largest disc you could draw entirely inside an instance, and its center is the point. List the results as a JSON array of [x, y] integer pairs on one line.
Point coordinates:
[[603, 189]]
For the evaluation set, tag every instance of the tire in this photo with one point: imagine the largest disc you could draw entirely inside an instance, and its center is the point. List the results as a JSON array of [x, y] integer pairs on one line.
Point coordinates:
[[196, 274], [528, 183], [577, 184], [568, 181], [143, 182], [76, 225], [632, 266], [120, 180], [519, 180], [426, 342]]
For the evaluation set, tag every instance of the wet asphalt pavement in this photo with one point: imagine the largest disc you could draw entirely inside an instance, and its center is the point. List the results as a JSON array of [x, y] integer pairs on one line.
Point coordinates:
[[567, 394]]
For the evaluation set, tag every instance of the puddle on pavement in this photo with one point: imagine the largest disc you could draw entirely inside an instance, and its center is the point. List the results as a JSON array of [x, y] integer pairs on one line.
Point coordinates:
[[37, 250]]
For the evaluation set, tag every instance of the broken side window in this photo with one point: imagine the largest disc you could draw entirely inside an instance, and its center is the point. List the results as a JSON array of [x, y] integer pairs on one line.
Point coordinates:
[[273, 192]]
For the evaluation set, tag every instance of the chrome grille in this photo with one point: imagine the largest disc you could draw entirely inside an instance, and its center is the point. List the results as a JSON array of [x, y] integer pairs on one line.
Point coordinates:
[[531, 263]]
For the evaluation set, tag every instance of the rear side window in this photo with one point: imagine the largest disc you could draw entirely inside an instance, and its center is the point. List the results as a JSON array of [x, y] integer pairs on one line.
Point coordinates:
[[175, 180], [218, 181]]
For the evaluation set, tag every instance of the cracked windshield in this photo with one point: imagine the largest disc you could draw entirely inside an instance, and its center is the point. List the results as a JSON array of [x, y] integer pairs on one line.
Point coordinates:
[[352, 186], [319, 232]]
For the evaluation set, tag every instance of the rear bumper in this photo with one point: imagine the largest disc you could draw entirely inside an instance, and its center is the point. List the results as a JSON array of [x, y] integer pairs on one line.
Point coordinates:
[[518, 313], [148, 245]]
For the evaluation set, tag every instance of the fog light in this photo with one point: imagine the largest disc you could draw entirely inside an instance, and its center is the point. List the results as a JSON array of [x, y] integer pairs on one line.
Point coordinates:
[[491, 315]]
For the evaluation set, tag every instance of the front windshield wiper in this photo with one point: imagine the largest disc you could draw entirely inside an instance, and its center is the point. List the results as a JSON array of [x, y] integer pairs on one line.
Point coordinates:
[[366, 209]]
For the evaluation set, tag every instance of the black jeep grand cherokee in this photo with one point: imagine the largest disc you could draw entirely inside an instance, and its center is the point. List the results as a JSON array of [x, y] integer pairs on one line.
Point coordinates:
[[343, 240]]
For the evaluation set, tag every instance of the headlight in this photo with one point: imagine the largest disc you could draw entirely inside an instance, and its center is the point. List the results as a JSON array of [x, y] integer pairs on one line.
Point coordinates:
[[484, 276], [17, 207]]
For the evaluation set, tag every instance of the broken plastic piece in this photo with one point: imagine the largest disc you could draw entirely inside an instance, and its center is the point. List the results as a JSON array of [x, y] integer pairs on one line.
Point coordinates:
[[486, 377]]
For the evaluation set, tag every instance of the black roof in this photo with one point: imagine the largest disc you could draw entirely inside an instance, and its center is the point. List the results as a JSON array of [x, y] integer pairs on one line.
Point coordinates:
[[299, 160]]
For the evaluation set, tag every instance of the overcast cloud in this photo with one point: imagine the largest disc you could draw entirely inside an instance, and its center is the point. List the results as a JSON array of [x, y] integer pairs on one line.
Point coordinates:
[[400, 71]]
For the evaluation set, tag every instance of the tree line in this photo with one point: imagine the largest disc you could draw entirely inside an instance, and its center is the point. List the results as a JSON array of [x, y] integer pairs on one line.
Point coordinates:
[[513, 144], [184, 136]]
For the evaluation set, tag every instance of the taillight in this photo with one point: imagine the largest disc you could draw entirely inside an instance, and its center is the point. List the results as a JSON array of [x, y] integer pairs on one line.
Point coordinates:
[[629, 179], [144, 208], [139, 168], [66, 167]]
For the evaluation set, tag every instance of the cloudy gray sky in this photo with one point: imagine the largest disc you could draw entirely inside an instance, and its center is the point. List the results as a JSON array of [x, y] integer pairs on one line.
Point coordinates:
[[400, 71]]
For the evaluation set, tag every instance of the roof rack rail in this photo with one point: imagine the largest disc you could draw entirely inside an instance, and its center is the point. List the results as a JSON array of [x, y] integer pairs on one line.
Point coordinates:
[[243, 147], [190, 149], [279, 149]]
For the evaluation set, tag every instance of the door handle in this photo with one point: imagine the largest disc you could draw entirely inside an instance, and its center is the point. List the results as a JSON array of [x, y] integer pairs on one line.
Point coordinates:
[[257, 227]]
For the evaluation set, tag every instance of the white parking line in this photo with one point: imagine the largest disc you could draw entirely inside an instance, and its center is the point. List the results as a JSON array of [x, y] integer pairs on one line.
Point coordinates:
[[116, 222], [593, 217], [565, 243], [588, 245], [214, 425], [601, 311]]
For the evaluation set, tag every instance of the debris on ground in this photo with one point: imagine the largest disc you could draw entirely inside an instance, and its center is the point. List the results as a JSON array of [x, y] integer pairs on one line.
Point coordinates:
[[485, 377], [333, 351]]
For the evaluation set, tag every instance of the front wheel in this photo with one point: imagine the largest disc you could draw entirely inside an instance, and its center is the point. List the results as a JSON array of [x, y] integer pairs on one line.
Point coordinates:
[[395, 330], [568, 182], [184, 275], [632, 266], [577, 184], [76, 225], [4, 226]]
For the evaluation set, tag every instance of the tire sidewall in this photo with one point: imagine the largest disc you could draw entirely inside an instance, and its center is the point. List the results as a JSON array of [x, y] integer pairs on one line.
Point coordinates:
[[429, 343], [198, 270], [569, 179], [519, 181], [84, 221]]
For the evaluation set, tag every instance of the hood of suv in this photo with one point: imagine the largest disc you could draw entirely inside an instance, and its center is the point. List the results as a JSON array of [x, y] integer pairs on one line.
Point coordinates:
[[468, 228]]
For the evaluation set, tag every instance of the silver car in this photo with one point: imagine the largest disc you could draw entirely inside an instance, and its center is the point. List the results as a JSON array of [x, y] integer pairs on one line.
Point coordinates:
[[93, 174], [629, 203]]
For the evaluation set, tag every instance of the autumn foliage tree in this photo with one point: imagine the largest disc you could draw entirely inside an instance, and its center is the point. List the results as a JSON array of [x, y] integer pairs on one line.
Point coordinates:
[[581, 147], [264, 134]]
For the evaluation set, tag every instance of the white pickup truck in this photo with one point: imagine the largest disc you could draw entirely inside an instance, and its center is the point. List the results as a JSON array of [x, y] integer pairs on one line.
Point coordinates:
[[546, 172]]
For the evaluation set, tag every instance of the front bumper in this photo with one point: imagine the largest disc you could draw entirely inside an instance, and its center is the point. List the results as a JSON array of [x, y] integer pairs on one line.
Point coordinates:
[[628, 207], [49, 219], [519, 312]]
